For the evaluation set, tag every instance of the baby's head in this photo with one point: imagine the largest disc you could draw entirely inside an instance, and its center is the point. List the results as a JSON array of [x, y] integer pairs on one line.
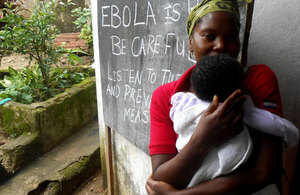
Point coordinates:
[[216, 75]]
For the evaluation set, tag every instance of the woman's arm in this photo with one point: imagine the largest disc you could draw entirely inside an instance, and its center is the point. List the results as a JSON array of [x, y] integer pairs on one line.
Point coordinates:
[[216, 125], [263, 167]]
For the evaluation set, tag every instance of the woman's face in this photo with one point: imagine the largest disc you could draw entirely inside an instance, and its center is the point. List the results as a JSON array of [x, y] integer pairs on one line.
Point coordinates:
[[217, 33]]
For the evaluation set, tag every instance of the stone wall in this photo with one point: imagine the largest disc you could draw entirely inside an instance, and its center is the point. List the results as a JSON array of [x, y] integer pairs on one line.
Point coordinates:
[[55, 118], [65, 22], [45, 124]]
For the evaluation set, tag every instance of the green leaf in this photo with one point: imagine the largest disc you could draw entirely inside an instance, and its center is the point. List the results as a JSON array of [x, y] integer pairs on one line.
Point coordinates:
[[3, 95], [74, 57], [78, 51], [12, 71]]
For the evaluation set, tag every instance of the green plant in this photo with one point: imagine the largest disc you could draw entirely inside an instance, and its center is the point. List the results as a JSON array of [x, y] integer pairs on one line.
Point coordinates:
[[26, 86], [72, 55], [84, 23], [17, 5], [33, 37]]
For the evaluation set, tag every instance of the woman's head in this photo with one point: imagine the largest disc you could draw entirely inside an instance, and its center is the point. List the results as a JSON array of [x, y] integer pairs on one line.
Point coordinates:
[[210, 6], [213, 28]]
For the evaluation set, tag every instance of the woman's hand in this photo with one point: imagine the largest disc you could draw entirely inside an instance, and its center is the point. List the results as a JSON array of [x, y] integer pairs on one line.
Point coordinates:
[[159, 187], [218, 124]]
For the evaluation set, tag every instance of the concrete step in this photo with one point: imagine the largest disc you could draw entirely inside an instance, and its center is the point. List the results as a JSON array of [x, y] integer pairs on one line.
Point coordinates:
[[61, 170]]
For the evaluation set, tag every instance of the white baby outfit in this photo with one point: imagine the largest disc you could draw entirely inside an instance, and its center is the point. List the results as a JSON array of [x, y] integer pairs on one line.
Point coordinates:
[[186, 112]]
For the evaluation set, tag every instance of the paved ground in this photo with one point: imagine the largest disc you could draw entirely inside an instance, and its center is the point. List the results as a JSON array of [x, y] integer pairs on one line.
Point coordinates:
[[49, 166]]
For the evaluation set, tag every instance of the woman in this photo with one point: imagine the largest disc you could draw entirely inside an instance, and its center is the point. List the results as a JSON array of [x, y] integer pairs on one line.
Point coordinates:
[[213, 28]]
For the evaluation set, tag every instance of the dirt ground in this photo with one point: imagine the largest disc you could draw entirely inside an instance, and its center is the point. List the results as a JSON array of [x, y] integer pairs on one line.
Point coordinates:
[[3, 138], [18, 61], [15, 61], [93, 186]]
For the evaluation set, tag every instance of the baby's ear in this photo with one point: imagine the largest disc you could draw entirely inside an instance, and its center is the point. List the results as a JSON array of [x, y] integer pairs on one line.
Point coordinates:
[[192, 89]]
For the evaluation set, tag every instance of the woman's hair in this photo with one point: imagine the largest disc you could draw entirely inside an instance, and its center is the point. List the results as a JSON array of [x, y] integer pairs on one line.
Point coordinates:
[[216, 75]]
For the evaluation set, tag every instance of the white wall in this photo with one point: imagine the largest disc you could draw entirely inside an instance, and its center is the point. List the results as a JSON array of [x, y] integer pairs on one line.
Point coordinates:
[[275, 41], [132, 167]]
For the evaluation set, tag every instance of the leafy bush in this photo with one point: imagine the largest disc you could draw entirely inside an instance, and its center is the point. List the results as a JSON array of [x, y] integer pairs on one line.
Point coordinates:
[[84, 23], [34, 37], [26, 86]]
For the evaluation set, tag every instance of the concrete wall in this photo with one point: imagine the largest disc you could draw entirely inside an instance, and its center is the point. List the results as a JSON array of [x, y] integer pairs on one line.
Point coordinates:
[[273, 41], [65, 22]]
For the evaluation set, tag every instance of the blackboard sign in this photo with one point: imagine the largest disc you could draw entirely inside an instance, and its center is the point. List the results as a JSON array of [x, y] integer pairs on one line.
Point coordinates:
[[143, 44]]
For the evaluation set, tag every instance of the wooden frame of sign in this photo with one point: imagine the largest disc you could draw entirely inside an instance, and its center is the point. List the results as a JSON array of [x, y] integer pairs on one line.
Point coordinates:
[[143, 44], [109, 161]]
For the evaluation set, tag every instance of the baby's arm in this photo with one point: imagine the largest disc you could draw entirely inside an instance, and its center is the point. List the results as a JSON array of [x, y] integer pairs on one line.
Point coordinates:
[[270, 123]]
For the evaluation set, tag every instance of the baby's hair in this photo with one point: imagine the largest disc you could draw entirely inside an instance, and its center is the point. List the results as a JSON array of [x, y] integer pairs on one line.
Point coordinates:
[[216, 75]]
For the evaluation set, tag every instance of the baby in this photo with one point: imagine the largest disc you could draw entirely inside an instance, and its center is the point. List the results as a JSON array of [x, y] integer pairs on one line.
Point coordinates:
[[221, 75]]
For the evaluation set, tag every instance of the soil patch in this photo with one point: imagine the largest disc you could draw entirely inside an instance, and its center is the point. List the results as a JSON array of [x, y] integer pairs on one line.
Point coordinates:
[[93, 186], [3, 138], [18, 61]]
